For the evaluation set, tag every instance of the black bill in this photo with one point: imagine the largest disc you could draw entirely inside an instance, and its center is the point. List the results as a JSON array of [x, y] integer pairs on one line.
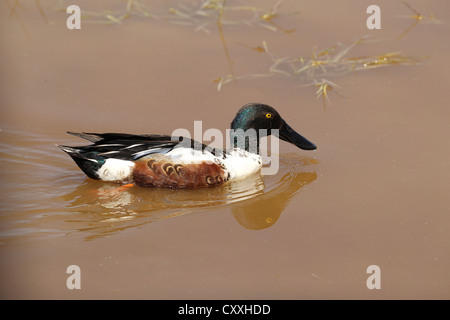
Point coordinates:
[[288, 134]]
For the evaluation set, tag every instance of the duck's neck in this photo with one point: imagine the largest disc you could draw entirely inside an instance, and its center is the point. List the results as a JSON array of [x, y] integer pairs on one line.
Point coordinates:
[[247, 140]]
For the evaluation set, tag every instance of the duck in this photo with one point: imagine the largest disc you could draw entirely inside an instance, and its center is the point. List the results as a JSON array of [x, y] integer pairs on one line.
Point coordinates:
[[164, 161]]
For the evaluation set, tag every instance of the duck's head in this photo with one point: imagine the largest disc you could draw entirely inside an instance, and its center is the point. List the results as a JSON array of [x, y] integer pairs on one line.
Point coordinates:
[[261, 116]]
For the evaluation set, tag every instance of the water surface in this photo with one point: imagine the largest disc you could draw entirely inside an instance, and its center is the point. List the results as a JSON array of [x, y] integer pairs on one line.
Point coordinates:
[[375, 191]]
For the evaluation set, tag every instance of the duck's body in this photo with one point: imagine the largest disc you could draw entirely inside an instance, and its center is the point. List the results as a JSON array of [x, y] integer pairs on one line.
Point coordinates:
[[159, 161], [177, 162]]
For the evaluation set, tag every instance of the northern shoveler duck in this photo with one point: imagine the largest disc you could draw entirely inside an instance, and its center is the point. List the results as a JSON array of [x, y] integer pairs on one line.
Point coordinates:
[[176, 162]]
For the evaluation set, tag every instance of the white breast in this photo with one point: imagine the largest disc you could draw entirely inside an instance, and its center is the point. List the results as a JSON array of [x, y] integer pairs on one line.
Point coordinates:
[[240, 164]]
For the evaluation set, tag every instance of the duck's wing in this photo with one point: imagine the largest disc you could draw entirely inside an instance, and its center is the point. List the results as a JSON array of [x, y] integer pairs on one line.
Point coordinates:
[[96, 137], [130, 146]]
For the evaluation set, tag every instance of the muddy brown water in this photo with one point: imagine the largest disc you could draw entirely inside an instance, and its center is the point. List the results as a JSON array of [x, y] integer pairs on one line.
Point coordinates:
[[376, 192]]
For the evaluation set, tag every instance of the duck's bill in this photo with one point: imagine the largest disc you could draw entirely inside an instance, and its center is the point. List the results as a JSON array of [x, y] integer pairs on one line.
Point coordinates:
[[288, 134]]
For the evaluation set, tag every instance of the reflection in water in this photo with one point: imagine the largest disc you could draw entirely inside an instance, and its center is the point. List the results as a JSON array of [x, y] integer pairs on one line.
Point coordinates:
[[44, 196], [263, 211]]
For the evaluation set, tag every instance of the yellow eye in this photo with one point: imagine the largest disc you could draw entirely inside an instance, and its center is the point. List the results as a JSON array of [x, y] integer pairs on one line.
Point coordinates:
[[268, 115]]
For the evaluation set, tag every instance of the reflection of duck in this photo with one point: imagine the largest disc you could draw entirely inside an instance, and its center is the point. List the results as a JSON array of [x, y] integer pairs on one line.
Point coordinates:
[[264, 210], [255, 202], [116, 203], [177, 162]]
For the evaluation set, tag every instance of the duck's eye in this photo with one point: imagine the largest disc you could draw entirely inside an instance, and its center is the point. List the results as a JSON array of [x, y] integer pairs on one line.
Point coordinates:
[[268, 115]]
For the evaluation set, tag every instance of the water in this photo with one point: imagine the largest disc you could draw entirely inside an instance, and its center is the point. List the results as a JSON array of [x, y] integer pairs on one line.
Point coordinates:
[[375, 191]]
